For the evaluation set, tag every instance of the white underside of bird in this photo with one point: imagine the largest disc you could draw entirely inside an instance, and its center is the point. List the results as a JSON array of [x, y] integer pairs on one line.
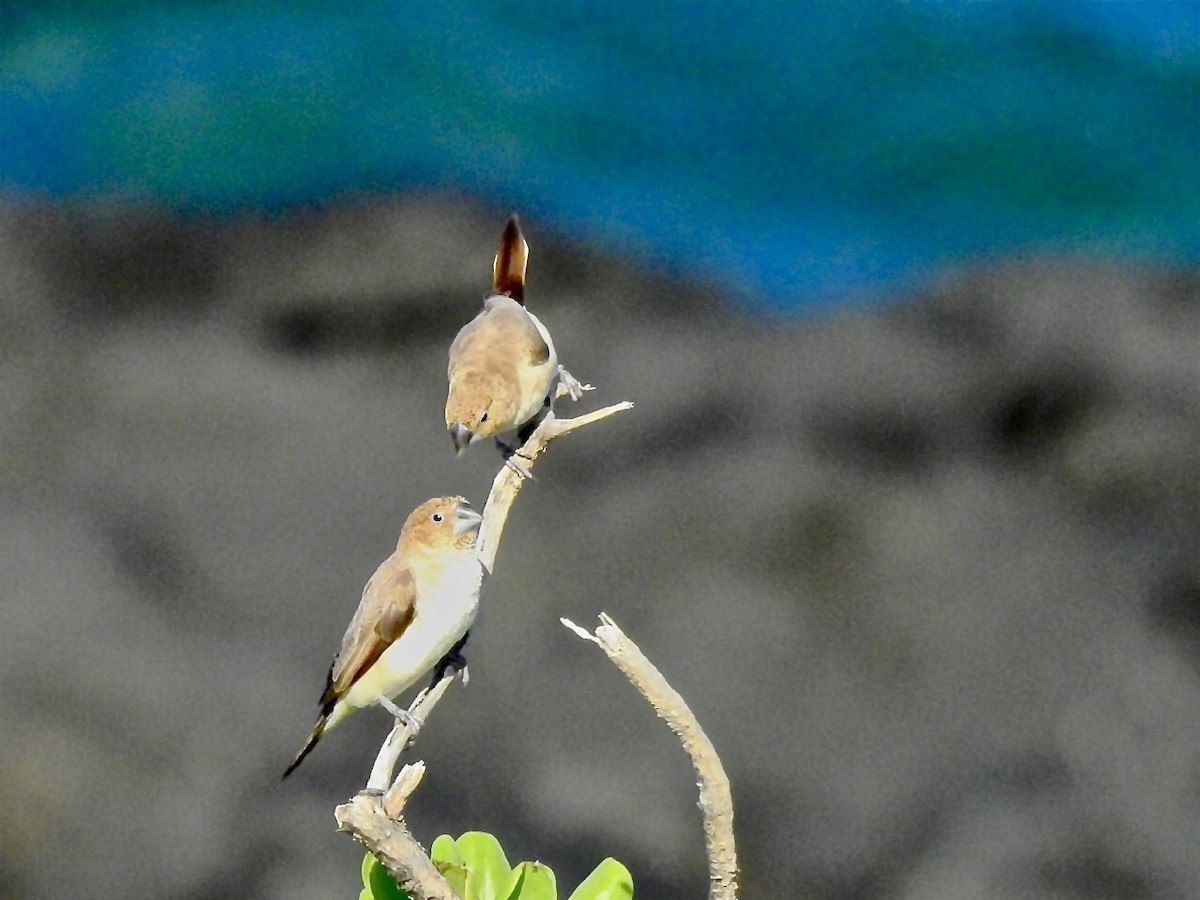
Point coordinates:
[[434, 630]]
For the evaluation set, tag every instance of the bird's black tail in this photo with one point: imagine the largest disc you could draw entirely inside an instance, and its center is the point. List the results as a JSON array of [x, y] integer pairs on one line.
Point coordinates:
[[317, 731]]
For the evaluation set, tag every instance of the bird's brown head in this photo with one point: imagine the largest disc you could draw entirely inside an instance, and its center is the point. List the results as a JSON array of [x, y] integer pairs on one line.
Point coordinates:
[[480, 405], [439, 524]]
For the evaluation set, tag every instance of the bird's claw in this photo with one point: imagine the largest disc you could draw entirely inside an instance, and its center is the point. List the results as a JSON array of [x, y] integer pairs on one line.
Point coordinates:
[[509, 451], [570, 386], [517, 467], [408, 719]]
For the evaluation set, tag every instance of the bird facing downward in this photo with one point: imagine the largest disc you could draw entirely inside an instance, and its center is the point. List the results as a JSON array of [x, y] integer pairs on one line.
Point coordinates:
[[417, 606], [503, 369]]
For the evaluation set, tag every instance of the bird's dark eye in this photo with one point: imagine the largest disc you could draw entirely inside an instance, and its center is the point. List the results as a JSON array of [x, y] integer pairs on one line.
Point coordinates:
[[437, 517], [483, 418]]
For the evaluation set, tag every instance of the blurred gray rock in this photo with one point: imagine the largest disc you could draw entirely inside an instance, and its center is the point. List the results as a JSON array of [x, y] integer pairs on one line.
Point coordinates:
[[929, 574]]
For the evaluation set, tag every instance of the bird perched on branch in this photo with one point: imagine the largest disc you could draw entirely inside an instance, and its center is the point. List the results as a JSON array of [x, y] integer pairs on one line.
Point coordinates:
[[415, 611], [504, 373]]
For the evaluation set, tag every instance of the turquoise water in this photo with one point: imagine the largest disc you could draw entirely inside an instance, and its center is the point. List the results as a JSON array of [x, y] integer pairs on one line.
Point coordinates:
[[811, 153]]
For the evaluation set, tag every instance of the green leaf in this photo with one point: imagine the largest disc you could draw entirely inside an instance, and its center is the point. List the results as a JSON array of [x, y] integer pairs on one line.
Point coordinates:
[[449, 862], [530, 881], [487, 866], [378, 881], [445, 849], [514, 885], [609, 881]]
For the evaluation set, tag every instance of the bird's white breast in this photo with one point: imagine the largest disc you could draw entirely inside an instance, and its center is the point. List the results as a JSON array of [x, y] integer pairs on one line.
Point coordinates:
[[445, 609]]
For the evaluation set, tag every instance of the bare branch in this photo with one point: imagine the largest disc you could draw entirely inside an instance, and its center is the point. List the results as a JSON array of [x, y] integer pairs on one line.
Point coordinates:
[[716, 800], [363, 818], [375, 817], [507, 483], [403, 733]]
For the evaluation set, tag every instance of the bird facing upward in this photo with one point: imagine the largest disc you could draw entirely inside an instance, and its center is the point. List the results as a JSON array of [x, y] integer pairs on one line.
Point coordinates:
[[415, 610], [503, 370]]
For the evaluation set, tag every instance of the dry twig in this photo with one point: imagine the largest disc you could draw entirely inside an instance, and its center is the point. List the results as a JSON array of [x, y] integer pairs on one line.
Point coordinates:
[[507, 482], [365, 818], [716, 801]]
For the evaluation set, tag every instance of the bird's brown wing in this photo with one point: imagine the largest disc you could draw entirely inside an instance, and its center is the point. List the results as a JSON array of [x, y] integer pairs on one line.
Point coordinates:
[[384, 612], [498, 336]]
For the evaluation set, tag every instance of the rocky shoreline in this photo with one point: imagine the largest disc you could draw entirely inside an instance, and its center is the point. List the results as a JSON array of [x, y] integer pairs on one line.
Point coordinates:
[[929, 574]]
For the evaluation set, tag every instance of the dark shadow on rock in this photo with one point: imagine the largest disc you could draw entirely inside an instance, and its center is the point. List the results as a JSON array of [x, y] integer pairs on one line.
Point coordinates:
[[1032, 414], [112, 263], [882, 441], [1175, 608], [1091, 874], [320, 327]]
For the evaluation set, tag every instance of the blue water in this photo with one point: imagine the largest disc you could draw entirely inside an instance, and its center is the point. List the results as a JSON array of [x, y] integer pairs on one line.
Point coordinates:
[[809, 153]]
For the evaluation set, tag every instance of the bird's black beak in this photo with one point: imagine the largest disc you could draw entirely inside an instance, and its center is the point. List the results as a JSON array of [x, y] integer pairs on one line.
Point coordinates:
[[461, 435]]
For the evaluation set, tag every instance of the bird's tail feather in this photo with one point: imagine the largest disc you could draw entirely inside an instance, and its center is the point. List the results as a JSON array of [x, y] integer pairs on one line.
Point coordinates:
[[508, 269], [318, 730]]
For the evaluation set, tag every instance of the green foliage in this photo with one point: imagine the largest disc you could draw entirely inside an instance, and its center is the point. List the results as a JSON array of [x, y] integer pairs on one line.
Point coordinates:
[[530, 881], [609, 881], [378, 883], [450, 863], [477, 869], [487, 868]]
